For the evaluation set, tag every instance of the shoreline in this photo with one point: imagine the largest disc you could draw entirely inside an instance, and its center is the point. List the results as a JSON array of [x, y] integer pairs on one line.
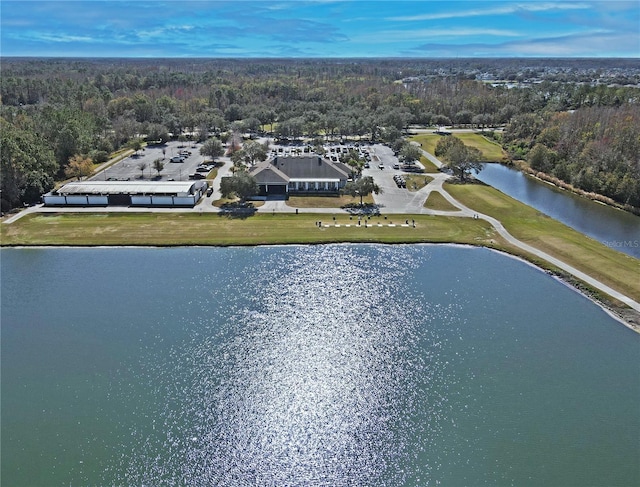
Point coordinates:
[[624, 315], [558, 184]]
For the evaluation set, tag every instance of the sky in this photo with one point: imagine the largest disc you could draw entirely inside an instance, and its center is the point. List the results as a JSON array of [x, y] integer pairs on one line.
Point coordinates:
[[320, 29]]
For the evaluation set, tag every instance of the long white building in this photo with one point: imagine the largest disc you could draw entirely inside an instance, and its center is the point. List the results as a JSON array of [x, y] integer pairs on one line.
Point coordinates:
[[127, 193]]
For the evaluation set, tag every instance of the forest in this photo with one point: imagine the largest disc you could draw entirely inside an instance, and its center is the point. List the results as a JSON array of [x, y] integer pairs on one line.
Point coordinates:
[[576, 120]]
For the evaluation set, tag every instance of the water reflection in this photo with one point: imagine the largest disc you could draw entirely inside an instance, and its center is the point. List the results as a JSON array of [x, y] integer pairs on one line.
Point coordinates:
[[314, 382], [360, 365]]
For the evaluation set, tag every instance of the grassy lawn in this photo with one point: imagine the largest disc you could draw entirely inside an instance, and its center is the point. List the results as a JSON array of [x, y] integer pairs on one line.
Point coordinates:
[[428, 165], [491, 151], [436, 201], [326, 201], [617, 270], [427, 141], [416, 182], [166, 229]]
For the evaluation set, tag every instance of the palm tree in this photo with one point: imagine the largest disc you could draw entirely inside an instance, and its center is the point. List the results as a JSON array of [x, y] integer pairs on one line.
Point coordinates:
[[142, 166], [158, 165]]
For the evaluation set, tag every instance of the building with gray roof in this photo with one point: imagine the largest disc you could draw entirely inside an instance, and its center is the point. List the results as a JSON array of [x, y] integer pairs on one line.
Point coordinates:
[[300, 174]]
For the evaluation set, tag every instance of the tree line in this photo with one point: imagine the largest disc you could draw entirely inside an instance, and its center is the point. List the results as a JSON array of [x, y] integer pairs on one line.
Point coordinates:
[[594, 149], [56, 110]]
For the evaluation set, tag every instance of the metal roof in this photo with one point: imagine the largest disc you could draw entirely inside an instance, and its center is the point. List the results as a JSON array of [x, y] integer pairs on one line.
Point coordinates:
[[280, 170], [127, 187], [268, 174], [314, 180]]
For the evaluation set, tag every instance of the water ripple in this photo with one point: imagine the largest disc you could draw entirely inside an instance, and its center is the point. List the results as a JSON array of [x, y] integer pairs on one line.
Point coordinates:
[[314, 378]]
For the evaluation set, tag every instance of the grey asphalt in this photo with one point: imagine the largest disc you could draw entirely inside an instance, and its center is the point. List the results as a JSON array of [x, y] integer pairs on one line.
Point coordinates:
[[128, 169]]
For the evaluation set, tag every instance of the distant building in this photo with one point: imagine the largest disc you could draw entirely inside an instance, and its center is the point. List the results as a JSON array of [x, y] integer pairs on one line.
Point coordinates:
[[127, 193], [300, 174]]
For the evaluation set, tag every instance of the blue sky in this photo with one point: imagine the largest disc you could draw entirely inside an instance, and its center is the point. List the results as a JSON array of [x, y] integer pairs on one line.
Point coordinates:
[[384, 28]]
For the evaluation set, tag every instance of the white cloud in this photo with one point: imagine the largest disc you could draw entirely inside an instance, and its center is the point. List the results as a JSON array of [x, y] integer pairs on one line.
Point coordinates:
[[427, 34], [49, 37], [593, 43], [504, 10]]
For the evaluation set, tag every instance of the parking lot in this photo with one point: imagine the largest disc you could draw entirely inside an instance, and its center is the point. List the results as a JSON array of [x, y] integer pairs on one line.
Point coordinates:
[[382, 164], [140, 167]]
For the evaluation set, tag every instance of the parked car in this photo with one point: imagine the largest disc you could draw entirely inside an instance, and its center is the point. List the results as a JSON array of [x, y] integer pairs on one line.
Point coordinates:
[[197, 175], [177, 159], [210, 191], [380, 166], [400, 181]]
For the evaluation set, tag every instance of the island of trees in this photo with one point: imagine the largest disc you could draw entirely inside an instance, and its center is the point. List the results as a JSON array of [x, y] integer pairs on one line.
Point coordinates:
[[577, 121]]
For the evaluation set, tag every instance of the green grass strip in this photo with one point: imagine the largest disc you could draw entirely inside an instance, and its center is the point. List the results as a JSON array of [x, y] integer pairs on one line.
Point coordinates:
[[436, 201], [179, 229]]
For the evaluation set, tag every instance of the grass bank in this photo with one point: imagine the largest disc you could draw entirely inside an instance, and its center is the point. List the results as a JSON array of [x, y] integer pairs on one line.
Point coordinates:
[[176, 229], [617, 270]]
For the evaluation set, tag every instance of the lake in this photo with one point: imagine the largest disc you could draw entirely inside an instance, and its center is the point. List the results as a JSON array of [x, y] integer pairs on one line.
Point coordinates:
[[615, 228], [309, 365]]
